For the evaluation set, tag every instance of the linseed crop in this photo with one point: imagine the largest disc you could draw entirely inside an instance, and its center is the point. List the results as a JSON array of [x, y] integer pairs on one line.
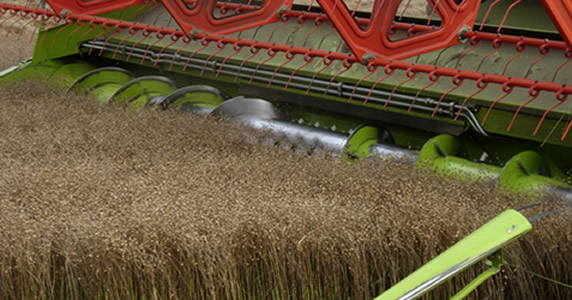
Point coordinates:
[[98, 202]]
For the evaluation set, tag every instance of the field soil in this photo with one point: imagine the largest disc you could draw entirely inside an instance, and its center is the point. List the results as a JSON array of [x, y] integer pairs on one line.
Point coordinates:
[[99, 202]]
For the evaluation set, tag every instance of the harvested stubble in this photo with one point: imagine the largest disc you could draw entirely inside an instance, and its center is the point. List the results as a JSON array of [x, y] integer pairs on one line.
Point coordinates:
[[99, 202]]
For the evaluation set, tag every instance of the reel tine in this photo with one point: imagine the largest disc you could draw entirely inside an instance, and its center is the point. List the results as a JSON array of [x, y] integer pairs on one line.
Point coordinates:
[[566, 131], [436, 61], [544, 50], [358, 3], [205, 44], [160, 36], [12, 15], [308, 59], [410, 73], [237, 48], [473, 41], [533, 92], [497, 44], [325, 36], [24, 28], [560, 101], [92, 28], [22, 16], [174, 38], [374, 85], [520, 47], [31, 39], [482, 85], [284, 22], [318, 24], [289, 57], [348, 65], [121, 13], [487, 14], [458, 81], [104, 26], [56, 19], [310, 5], [221, 47], [254, 50], [405, 10], [301, 22], [372, 69], [132, 33], [340, 43], [74, 32], [433, 77], [434, 9], [187, 41], [568, 55], [271, 54], [327, 63], [69, 23], [507, 88], [146, 34], [506, 14], [255, 33], [118, 31], [44, 18]]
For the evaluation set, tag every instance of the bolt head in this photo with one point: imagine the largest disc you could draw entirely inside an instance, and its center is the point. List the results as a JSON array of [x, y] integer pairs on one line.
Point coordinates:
[[65, 12], [462, 32], [367, 57]]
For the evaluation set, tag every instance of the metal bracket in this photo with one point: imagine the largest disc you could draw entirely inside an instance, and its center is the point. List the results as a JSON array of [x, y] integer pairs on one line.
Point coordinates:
[[374, 39], [201, 16]]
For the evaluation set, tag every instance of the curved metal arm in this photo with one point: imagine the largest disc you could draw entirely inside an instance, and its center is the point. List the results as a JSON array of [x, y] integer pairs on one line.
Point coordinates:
[[487, 240]]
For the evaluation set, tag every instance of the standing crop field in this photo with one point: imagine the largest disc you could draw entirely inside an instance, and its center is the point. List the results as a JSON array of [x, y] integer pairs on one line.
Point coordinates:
[[101, 202]]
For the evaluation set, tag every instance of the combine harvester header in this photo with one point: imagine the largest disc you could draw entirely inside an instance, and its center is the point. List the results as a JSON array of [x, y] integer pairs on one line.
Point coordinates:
[[474, 90]]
